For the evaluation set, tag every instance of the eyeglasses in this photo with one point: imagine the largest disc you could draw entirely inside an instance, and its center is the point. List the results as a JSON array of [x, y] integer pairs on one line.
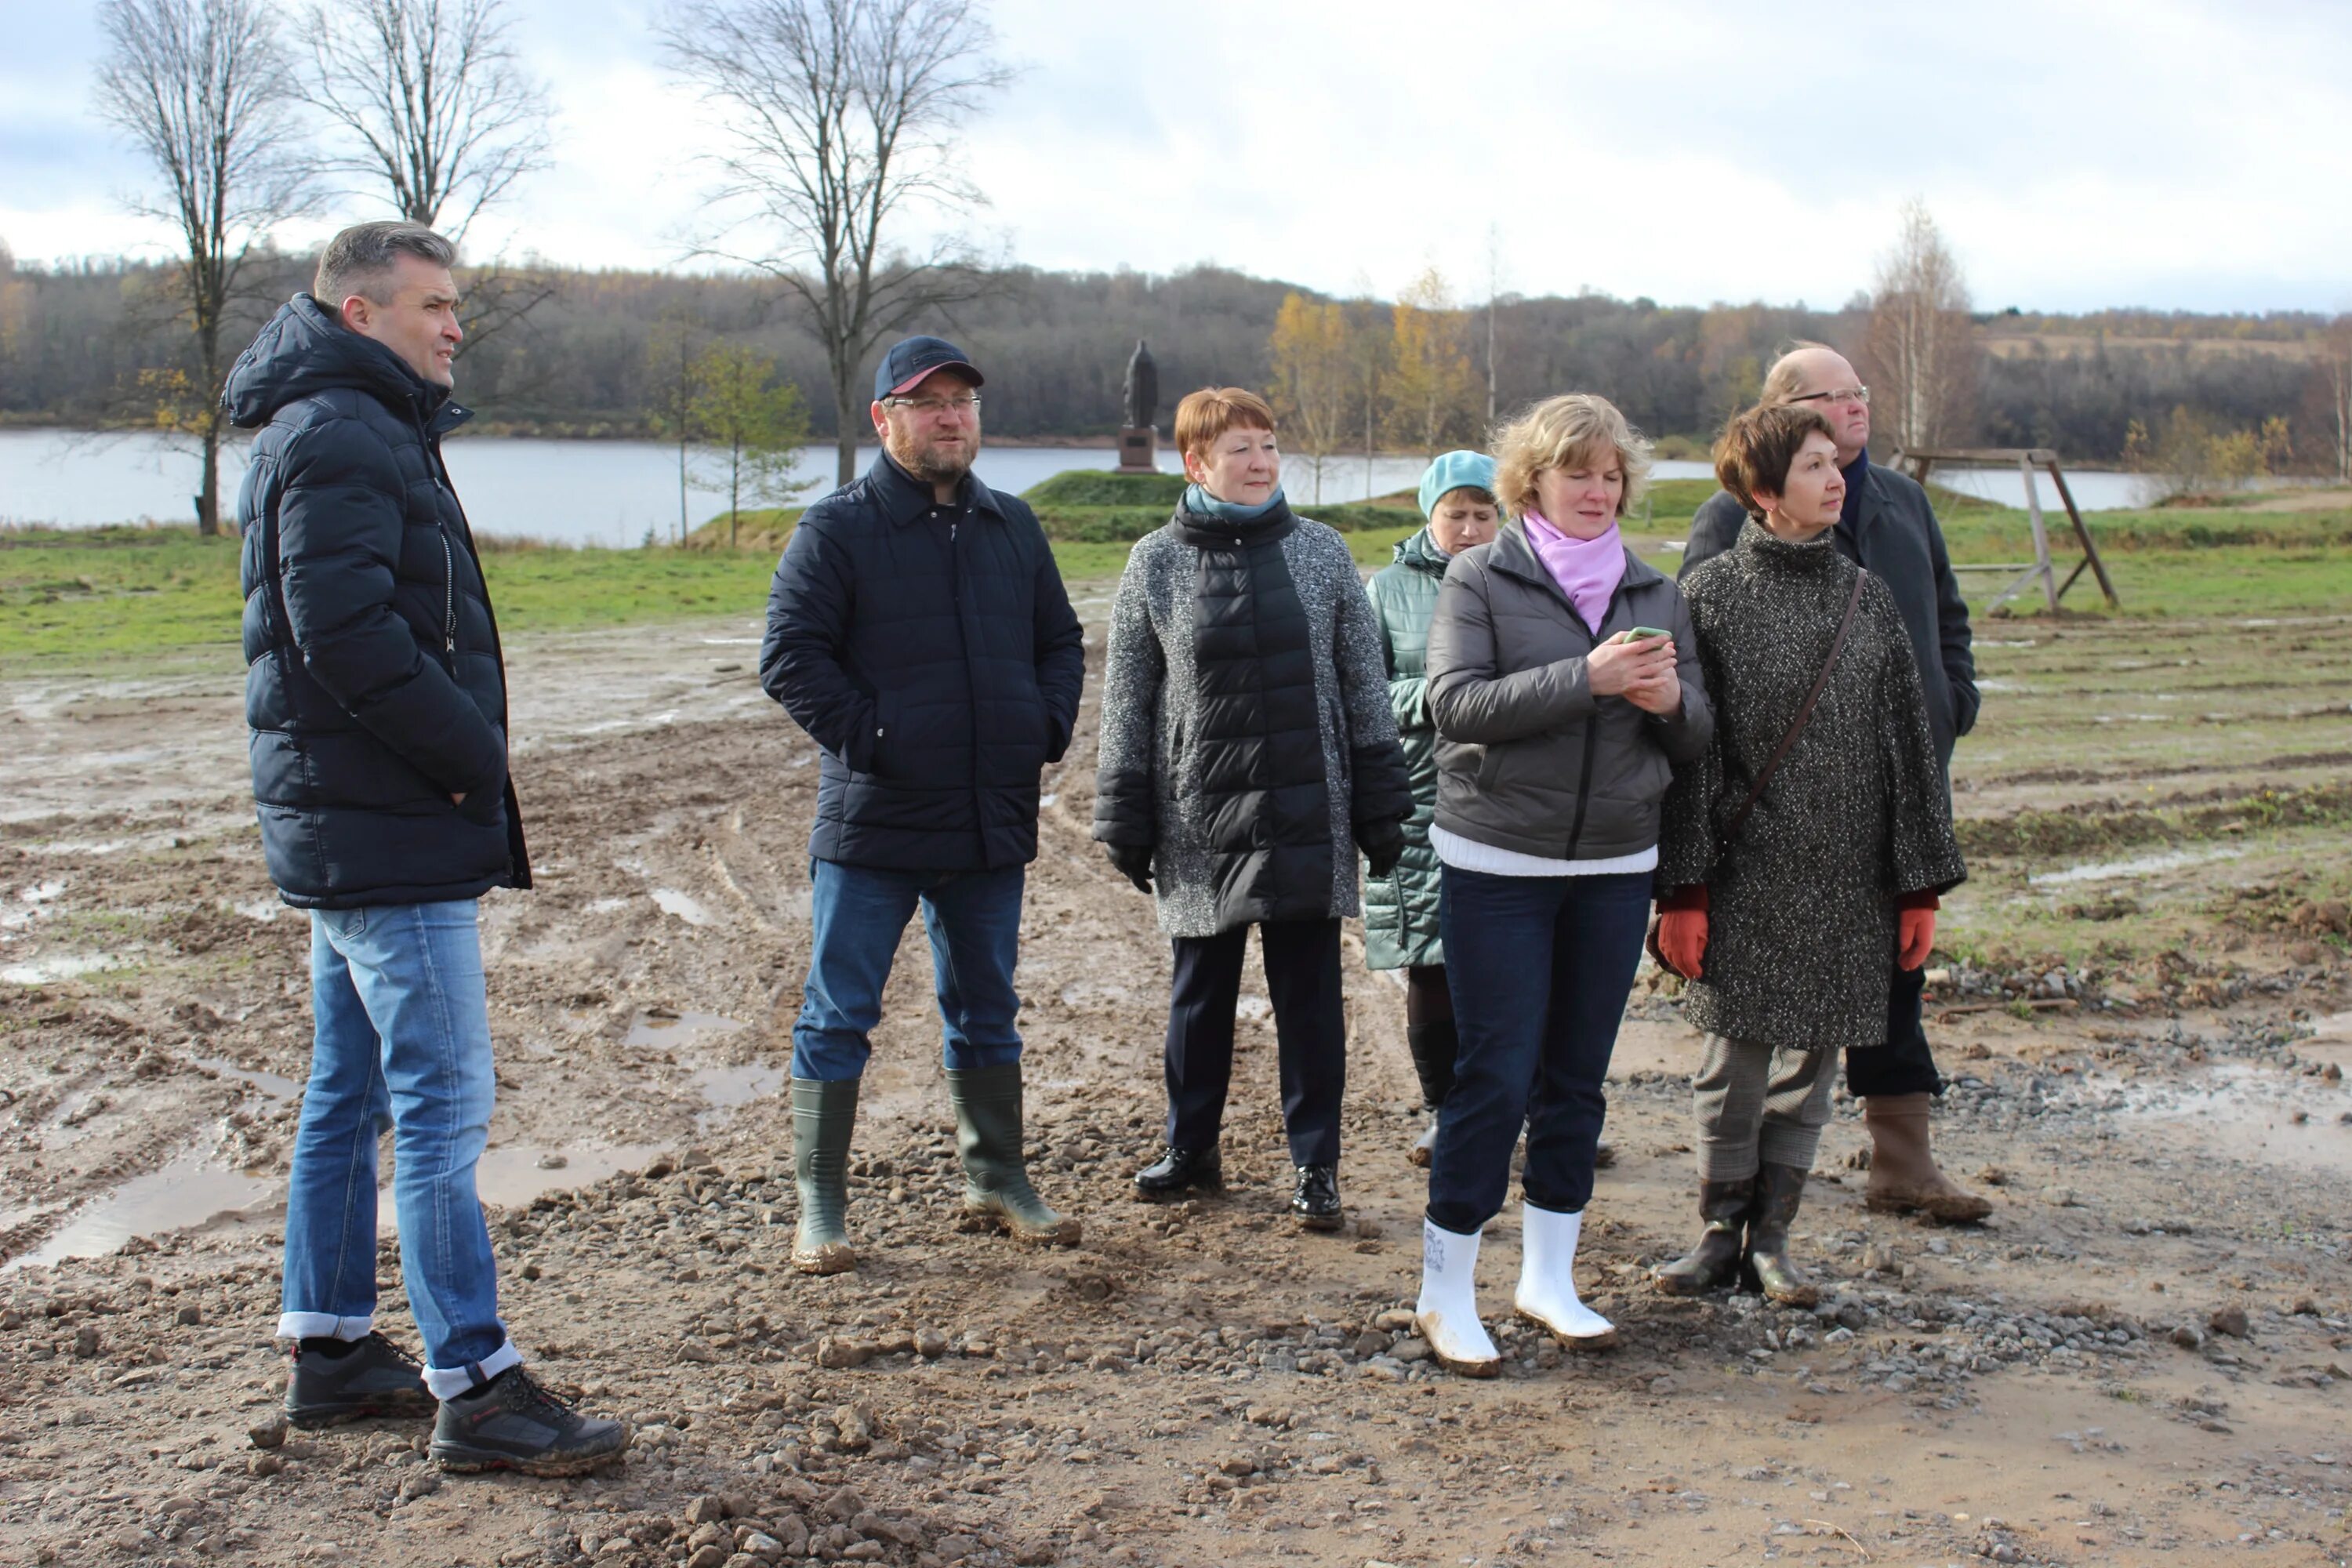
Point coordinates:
[[1843, 394], [934, 406]]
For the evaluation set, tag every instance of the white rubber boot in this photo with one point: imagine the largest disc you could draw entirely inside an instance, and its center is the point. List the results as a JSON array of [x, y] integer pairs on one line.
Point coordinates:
[[1547, 1294], [1447, 1313]]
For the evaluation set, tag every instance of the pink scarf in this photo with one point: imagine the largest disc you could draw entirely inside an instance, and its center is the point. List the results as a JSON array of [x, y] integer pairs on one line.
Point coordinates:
[[1586, 569]]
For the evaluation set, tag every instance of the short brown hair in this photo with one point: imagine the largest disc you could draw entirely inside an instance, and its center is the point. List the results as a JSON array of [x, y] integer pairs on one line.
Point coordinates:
[[1758, 444], [1207, 414], [1559, 431]]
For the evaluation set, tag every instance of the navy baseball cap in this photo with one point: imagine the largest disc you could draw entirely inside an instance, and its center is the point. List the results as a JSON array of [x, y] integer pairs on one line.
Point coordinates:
[[911, 359]]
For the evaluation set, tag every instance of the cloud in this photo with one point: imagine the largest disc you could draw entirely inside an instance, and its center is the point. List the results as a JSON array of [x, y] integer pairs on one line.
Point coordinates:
[[2183, 153]]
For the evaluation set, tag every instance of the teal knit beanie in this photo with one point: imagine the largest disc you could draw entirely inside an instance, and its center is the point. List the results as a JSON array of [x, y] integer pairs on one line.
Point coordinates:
[[1453, 471]]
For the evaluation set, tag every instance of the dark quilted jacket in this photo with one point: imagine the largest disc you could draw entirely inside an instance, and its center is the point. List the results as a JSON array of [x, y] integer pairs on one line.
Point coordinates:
[[374, 687], [1801, 902], [1245, 727], [933, 655], [1400, 908]]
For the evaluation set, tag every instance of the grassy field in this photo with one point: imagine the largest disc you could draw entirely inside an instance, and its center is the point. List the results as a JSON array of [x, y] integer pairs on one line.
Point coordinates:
[[89, 596]]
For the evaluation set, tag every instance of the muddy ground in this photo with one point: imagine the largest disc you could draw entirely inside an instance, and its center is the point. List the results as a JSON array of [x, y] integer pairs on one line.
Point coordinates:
[[2142, 1357]]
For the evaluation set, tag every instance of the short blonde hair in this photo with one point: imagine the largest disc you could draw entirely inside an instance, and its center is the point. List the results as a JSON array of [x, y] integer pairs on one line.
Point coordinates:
[[1558, 432], [1207, 414]]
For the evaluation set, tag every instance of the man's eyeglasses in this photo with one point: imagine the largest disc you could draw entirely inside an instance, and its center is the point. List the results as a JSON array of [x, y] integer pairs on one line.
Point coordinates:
[[1842, 395], [931, 407]]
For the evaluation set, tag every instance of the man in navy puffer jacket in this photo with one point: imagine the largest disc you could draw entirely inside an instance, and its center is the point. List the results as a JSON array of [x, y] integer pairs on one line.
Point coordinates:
[[918, 630], [377, 698]]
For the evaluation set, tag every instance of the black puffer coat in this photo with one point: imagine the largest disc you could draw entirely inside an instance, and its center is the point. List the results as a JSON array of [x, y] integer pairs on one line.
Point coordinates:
[[932, 653], [1246, 731], [375, 686]]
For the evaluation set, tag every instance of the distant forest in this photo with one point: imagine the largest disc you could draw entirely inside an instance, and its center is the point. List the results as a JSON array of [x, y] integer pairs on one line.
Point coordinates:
[[84, 345]]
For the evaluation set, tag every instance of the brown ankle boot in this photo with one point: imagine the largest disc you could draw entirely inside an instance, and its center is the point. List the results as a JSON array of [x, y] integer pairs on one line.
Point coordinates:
[[1903, 1175]]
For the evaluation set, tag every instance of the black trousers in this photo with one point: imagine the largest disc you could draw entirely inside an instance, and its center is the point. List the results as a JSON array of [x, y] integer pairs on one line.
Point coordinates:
[[1903, 1065], [1302, 974]]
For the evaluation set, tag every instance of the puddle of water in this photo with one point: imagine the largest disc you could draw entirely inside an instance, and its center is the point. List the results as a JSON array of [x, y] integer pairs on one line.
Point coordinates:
[[606, 905], [2146, 865], [651, 1028], [268, 1083], [186, 1192], [1254, 1008], [685, 906], [66, 966], [727, 1089], [514, 1173], [262, 909], [41, 892], [2246, 1112]]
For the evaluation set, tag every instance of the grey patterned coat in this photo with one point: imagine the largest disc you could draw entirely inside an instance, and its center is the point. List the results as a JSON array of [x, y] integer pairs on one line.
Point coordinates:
[[1801, 921], [1246, 722]]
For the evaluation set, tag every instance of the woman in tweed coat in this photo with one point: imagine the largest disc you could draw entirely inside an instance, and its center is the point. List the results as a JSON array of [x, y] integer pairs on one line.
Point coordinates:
[[1457, 496], [1790, 925], [1248, 751]]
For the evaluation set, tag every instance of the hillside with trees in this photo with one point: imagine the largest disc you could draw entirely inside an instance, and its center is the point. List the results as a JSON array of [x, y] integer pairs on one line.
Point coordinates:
[[84, 345]]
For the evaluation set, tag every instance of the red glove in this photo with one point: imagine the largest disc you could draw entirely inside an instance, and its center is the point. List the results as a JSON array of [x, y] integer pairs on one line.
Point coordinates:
[[1681, 937], [1917, 938]]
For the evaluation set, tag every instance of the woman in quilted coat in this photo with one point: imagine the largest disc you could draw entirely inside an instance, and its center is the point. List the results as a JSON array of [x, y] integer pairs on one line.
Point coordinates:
[[1247, 752], [1457, 496]]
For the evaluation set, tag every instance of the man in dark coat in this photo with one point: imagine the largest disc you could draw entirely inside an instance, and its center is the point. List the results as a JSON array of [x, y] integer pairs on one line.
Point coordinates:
[[1889, 528], [918, 630], [375, 693]]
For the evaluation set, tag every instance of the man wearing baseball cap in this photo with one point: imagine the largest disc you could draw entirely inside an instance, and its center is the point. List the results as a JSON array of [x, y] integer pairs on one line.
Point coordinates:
[[918, 631]]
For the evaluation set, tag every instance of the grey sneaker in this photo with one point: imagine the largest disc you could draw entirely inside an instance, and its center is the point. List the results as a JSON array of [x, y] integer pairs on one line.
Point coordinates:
[[510, 1423], [374, 1377]]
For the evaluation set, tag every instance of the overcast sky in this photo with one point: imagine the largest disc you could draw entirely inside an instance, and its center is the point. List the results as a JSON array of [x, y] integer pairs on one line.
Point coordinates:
[[2167, 153]]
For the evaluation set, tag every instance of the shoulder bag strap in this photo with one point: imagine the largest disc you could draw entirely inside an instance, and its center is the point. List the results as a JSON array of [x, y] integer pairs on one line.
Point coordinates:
[[1821, 683]]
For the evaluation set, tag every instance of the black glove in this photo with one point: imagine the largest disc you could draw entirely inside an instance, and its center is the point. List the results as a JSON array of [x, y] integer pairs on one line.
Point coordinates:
[[1382, 843], [1134, 863]]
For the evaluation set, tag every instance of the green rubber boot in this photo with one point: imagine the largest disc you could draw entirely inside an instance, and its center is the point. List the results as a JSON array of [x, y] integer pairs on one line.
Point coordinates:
[[996, 1178], [824, 1113]]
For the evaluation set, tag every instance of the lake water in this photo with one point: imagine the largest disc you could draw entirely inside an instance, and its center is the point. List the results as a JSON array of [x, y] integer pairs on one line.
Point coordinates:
[[615, 493]]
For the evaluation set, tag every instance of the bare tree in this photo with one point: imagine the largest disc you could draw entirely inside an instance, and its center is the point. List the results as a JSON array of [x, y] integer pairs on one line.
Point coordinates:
[[1921, 339], [202, 88], [436, 112], [839, 117]]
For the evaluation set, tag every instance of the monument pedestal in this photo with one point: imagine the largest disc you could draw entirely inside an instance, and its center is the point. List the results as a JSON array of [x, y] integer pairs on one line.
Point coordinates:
[[1138, 449]]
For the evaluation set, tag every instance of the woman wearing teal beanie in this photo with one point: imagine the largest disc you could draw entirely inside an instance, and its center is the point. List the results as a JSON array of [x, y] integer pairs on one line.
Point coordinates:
[[1457, 496]]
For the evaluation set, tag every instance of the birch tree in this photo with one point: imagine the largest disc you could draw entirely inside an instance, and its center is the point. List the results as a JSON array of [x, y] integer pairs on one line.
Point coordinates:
[[1919, 338], [1313, 375]]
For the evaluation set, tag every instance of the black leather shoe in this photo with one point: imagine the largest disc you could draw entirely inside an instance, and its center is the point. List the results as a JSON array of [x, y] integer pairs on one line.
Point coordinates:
[[1317, 1200], [1179, 1171]]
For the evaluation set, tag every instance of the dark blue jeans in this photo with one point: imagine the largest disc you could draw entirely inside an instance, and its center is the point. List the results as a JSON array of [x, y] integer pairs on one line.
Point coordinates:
[[1539, 967], [859, 912]]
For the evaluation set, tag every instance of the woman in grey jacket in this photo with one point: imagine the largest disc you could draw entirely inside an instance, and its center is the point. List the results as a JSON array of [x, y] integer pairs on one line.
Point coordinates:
[[1559, 714], [1788, 908], [1247, 752]]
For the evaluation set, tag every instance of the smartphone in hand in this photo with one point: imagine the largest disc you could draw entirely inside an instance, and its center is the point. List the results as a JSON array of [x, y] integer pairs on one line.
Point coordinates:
[[1643, 633]]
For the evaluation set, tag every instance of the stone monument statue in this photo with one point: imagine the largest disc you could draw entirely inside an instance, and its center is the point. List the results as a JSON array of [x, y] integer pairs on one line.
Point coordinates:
[[1138, 440]]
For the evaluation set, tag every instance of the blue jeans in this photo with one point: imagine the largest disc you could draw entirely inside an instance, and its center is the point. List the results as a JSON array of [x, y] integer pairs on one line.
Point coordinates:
[[402, 1040], [859, 912], [1539, 967]]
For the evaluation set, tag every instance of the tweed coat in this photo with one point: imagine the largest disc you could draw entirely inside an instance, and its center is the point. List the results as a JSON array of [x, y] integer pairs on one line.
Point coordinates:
[[1802, 902], [1245, 723], [1400, 908]]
